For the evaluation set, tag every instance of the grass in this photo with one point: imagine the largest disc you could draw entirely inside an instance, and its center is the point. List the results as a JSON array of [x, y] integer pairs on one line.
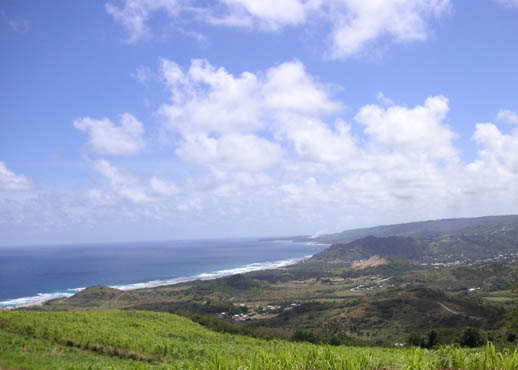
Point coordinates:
[[148, 340], [498, 299]]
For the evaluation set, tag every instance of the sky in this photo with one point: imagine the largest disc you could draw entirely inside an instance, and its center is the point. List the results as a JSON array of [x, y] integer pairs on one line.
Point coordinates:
[[127, 120]]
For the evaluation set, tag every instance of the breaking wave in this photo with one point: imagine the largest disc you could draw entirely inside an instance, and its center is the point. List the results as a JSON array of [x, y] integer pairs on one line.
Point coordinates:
[[41, 297]]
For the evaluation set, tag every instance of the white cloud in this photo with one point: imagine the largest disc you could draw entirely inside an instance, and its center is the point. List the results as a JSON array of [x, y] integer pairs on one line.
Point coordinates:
[[357, 23], [232, 152], [267, 15], [100, 198], [208, 99], [105, 137], [221, 117], [383, 99], [353, 25], [315, 141], [290, 164], [11, 181], [164, 187], [507, 116], [288, 87], [498, 150], [124, 184], [411, 130], [493, 176], [406, 155], [271, 140], [135, 13]]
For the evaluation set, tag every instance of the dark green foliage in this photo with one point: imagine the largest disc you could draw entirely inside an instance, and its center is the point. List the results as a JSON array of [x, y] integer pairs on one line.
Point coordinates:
[[304, 336], [240, 281], [225, 326], [472, 337], [416, 340], [394, 246], [430, 340]]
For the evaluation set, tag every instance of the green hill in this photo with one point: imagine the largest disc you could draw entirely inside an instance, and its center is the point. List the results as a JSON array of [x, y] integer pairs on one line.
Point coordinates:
[[393, 246], [146, 340], [449, 240], [426, 228]]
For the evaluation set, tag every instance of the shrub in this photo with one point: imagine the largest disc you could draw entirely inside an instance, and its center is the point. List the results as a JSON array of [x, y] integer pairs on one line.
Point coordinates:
[[304, 336], [472, 337]]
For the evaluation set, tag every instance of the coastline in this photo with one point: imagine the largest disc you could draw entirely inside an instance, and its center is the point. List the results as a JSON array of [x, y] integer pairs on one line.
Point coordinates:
[[38, 300]]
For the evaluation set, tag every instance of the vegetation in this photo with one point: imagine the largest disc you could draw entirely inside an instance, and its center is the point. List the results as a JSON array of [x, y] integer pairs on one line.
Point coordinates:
[[455, 226], [437, 286], [147, 340]]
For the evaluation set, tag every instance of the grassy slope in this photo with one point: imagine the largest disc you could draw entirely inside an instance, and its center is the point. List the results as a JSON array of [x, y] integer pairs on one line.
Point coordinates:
[[146, 340]]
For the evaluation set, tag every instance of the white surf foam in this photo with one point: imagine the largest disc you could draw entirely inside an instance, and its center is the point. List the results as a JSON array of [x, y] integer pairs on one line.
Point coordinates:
[[40, 297], [25, 301]]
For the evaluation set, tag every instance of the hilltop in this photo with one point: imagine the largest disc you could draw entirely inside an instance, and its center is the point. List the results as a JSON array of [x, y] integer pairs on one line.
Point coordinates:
[[423, 228], [392, 246]]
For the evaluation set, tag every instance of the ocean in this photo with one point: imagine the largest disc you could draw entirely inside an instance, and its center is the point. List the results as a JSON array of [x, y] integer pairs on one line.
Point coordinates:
[[31, 274]]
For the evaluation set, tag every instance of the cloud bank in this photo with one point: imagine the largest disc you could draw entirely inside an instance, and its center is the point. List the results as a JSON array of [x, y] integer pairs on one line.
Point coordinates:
[[272, 148], [352, 27]]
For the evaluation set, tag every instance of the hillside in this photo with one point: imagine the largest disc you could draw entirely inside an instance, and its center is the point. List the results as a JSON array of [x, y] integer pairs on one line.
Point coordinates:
[[374, 290], [144, 340], [393, 246], [425, 228], [438, 241]]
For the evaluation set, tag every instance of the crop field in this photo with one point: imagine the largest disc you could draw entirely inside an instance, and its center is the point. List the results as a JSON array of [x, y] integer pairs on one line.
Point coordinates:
[[147, 340]]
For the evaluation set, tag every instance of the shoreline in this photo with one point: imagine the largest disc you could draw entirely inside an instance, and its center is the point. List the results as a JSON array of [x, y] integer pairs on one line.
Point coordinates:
[[152, 284]]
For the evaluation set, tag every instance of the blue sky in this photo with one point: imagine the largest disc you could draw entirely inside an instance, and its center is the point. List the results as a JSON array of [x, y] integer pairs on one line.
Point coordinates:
[[168, 119]]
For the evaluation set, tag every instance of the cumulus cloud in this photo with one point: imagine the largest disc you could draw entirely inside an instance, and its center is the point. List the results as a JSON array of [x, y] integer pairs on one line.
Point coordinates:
[[404, 154], [352, 25], [292, 162], [419, 129], [507, 116], [499, 151], [356, 24], [210, 99], [272, 143], [314, 141], [269, 15], [105, 137], [219, 115], [251, 121], [11, 181], [231, 152]]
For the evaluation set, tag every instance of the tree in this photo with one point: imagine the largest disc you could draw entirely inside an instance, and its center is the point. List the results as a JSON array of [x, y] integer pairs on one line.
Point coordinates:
[[433, 339], [472, 337], [304, 336], [416, 340]]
